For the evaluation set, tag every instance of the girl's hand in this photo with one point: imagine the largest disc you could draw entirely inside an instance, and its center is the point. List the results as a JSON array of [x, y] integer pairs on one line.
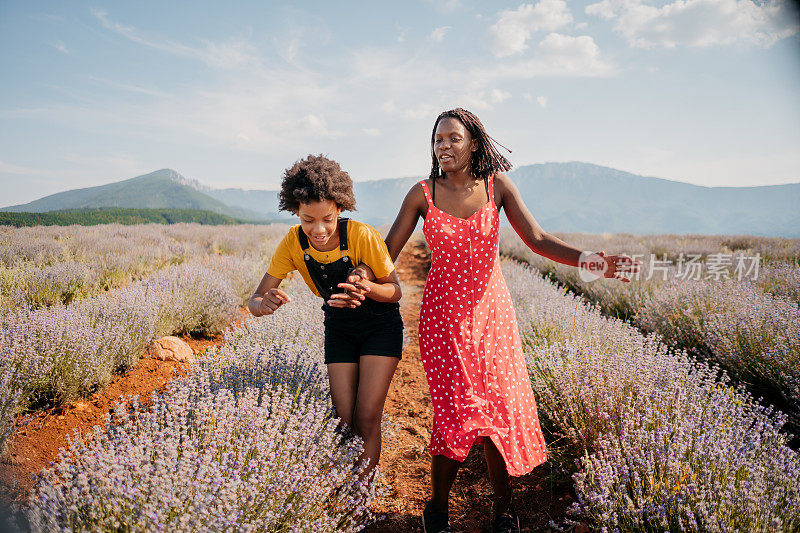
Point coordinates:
[[272, 300], [617, 265], [364, 271], [355, 288]]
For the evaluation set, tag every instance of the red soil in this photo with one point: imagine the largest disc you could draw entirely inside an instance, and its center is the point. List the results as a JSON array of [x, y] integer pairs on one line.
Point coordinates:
[[40, 435]]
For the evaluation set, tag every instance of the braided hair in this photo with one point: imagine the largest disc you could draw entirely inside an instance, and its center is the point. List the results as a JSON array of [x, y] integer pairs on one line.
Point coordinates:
[[486, 160]]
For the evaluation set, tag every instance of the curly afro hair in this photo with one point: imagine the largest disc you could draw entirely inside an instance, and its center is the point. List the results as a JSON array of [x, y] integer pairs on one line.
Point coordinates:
[[314, 179]]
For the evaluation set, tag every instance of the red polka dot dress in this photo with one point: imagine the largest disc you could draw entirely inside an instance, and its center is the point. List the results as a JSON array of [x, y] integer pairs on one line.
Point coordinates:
[[470, 345]]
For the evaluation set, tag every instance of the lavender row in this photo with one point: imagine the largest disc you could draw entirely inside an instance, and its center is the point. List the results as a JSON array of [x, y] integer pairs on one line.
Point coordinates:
[[58, 353], [42, 266], [661, 442], [750, 328], [754, 336], [670, 246], [246, 443]]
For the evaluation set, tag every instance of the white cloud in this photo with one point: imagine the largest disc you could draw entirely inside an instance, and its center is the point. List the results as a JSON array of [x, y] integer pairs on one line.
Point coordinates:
[[371, 132], [60, 46], [497, 96], [542, 101], [410, 112], [509, 35], [557, 55], [422, 111], [699, 22], [232, 54], [581, 25], [439, 33], [527, 96]]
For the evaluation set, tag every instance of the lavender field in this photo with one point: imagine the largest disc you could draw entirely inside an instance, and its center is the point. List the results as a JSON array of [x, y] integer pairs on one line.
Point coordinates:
[[55, 349], [731, 302], [659, 442], [655, 438], [246, 443]]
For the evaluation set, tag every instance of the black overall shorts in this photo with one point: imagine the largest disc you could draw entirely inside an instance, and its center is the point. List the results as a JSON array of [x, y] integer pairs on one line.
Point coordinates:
[[372, 328]]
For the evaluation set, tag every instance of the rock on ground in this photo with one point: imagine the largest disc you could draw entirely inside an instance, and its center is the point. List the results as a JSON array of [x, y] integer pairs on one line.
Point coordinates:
[[170, 349]]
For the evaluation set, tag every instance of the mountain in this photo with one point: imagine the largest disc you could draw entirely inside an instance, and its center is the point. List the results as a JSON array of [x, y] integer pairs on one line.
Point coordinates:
[[582, 197], [165, 189], [570, 197], [263, 203]]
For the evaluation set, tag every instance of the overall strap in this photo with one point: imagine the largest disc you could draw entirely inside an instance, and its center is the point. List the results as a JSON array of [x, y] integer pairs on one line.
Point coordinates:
[[343, 233], [301, 236]]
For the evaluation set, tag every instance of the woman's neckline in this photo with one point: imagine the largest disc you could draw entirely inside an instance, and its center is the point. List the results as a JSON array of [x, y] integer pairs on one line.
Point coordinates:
[[489, 202]]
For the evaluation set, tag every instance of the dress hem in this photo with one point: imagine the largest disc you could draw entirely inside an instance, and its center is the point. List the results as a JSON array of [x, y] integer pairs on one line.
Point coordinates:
[[511, 471]]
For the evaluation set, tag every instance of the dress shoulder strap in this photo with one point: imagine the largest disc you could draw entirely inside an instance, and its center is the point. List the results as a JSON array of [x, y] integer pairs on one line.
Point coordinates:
[[427, 192], [490, 187]]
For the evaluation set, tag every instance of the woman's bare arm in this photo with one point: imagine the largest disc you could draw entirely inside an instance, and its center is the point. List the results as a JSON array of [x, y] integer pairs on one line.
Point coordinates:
[[508, 197], [414, 206], [528, 229]]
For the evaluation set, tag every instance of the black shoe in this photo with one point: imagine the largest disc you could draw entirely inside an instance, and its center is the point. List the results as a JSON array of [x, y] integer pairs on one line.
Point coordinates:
[[507, 522], [433, 522]]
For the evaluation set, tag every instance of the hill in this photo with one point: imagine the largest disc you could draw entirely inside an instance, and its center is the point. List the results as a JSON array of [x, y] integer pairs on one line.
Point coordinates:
[[162, 189], [571, 197], [109, 215], [582, 197]]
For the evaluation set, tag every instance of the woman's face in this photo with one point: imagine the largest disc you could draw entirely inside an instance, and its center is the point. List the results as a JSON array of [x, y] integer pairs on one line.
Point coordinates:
[[453, 145], [318, 221]]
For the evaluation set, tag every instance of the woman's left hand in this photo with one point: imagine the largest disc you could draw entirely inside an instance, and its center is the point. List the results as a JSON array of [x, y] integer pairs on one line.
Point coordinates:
[[618, 266]]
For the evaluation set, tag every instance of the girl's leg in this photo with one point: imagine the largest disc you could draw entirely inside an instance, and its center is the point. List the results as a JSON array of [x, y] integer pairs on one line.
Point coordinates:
[[498, 476], [375, 374], [343, 379], [443, 474]]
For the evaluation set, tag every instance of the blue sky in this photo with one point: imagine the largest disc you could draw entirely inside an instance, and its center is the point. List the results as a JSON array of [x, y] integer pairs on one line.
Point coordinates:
[[701, 91]]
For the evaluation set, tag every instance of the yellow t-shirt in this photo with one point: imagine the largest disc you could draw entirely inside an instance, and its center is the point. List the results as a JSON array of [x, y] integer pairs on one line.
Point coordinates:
[[364, 245]]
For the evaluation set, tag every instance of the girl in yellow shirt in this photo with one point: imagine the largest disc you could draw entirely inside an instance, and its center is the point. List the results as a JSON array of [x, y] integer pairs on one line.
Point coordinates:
[[363, 326]]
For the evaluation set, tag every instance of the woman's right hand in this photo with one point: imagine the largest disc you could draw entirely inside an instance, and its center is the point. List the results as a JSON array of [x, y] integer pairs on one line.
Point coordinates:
[[271, 301]]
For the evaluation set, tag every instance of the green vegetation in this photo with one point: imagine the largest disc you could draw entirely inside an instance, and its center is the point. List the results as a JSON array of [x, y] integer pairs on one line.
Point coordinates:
[[109, 215]]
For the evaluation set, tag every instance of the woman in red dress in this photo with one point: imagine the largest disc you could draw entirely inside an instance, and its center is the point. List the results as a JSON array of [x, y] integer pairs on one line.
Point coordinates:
[[468, 336]]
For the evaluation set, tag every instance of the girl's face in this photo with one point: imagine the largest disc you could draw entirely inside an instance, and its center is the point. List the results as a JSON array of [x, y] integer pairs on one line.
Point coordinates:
[[318, 220], [453, 145]]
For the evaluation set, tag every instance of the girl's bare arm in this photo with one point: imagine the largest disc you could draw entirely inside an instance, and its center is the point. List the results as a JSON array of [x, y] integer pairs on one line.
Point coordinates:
[[268, 297]]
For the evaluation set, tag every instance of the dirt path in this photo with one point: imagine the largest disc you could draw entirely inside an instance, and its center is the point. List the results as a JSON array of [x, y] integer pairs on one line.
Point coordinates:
[[540, 496]]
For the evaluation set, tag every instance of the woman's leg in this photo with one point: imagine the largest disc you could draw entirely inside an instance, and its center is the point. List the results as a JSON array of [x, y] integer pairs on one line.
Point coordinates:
[[443, 474], [374, 377], [498, 476], [343, 379]]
